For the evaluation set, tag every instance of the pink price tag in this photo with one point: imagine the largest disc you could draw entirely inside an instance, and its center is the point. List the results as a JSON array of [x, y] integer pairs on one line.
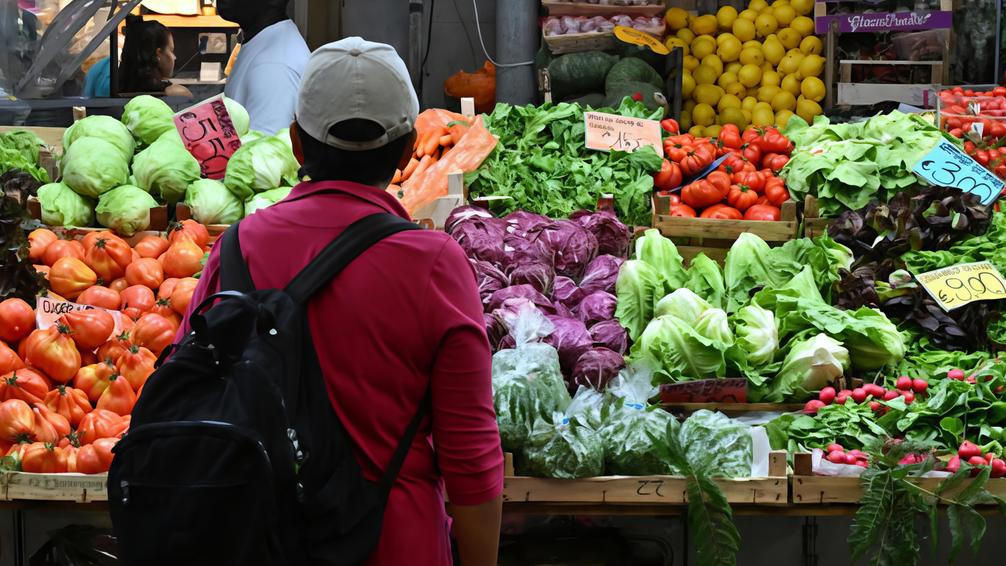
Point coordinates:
[[208, 133]]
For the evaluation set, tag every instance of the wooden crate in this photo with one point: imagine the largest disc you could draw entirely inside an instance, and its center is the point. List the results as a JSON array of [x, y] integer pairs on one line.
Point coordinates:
[[809, 489], [813, 224], [81, 488], [714, 237], [558, 8], [593, 41], [158, 217], [183, 212], [668, 490]]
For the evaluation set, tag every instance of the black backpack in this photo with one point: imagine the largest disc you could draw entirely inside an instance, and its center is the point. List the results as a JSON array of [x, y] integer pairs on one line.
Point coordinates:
[[235, 455]]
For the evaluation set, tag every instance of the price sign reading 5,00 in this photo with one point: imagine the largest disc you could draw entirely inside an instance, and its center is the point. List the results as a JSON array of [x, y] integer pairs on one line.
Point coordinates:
[[956, 286], [209, 135]]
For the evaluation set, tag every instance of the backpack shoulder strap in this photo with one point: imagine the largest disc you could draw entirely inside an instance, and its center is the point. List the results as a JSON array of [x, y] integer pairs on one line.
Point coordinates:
[[234, 274], [352, 242]]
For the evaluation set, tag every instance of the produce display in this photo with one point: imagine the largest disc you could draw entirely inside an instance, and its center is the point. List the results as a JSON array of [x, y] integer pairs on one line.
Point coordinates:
[[978, 118], [759, 66], [567, 25]]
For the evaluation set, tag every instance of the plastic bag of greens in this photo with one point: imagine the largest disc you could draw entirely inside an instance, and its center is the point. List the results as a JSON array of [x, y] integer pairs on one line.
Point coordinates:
[[631, 424], [527, 381], [565, 445], [717, 444]]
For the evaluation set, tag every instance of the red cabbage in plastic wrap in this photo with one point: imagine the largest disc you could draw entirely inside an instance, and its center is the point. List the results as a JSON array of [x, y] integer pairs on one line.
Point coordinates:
[[489, 278], [596, 367], [464, 214], [566, 292], [601, 274], [524, 291], [571, 339], [597, 307], [570, 245], [610, 334], [613, 237], [532, 271], [481, 238], [521, 223]]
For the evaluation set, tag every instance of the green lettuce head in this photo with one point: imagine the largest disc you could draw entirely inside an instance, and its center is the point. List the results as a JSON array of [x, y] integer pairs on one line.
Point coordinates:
[[93, 166], [63, 207], [810, 365], [147, 118], [261, 165], [125, 209], [238, 115], [212, 203], [757, 335], [266, 199], [166, 168], [105, 128]]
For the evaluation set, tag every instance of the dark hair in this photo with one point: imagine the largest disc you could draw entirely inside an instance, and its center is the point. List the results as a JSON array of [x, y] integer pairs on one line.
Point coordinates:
[[139, 71], [323, 162]]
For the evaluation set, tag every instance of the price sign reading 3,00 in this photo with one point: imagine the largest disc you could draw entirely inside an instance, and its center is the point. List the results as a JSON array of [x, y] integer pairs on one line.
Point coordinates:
[[956, 286], [947, 166], [208, 133]]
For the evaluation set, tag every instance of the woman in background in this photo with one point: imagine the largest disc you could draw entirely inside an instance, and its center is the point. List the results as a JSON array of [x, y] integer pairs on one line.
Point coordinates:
[[148, 60]]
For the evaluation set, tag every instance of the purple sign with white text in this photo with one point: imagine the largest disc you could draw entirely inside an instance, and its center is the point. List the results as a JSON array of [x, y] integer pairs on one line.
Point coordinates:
[[873, 23]]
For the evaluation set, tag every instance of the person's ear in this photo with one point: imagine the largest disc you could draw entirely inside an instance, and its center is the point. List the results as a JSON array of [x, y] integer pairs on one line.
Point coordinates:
[[298, 149], [407, 151], [158, 54]]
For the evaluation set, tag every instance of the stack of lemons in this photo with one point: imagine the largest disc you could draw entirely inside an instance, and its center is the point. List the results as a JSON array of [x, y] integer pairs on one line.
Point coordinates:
[[757, 67]]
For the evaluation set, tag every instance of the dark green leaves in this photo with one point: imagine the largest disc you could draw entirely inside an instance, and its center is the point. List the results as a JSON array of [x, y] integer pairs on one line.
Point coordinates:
[[18, 277]]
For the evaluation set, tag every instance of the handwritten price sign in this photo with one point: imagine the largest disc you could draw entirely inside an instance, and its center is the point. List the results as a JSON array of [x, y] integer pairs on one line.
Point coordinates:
[[611, 132], [48, 311], [958, 285], [208, 133], [947, 166]]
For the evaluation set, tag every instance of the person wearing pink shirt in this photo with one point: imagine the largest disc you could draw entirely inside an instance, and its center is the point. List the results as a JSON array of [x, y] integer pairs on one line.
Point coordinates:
[[404, 318]]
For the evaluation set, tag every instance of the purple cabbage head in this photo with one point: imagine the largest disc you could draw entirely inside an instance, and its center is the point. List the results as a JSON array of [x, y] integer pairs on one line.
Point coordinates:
[[570, 246], [524, 292], [517, 248], [532, 271], [566, 292], [610, 334], [601, 274], [612, 236], [495, 330], [481, 238], [571, 339], [597, 307], [521, 223], [489, 278], [463, 214], [563, 311], [596, 367]]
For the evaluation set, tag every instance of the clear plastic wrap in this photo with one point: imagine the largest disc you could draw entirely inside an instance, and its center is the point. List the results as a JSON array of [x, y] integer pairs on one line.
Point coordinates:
[[566, 445], [717, 443], [631, 424]]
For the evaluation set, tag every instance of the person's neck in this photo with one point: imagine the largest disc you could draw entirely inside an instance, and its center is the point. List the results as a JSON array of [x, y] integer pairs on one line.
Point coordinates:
[[251, 29]]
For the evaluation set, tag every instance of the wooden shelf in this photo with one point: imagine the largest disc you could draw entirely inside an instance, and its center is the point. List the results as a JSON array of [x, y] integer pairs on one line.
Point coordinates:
[[557, 8]]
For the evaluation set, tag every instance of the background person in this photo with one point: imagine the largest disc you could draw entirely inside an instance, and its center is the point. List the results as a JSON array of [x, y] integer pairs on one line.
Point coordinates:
[[148, 61]]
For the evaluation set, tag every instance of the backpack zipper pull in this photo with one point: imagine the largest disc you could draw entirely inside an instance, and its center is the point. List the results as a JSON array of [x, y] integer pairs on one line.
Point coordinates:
[[124, 485]]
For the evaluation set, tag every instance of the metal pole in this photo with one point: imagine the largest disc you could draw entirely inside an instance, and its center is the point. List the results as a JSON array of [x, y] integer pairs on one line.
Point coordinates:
[[516, 41], [416, 42]]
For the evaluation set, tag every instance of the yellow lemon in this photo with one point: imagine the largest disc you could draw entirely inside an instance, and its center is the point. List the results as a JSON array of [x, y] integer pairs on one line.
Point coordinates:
[[747, 115], [766, 25], [803, 7], [802, 25], [730, 49], [676, 18], [752, 56], [687, 84], [752, 44], [750, 75], [766, 93], [705, 75], [732, 67], [728, 101], [791, 84], [726, 79], [726, 16], [713, 61], [811, 65], [783, 100], [753, 91], [770, 78], [708, 94], [704, 24], [697, 131], [688, 106], [691, 62], [807, 109], [790, 64], [782, 118], [757, 5], [749, 15], [762, 116], [766, 67], [773, 49], [734, 116], [685, 35], [686, 120], [737, 89], [711, 131], [778, 3], [784, 14], [673, 43], [744, 29], [703, 115], [703, 45], [749, 103], [811, 45], [789, 38], [813, 89]]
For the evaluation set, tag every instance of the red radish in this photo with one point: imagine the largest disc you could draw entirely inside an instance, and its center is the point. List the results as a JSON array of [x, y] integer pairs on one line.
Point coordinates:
[[862, 463], [813, 406], [909, 397], [998, 468], [858, 395], [827, 395], [988, 378], [969, 450], [999, 389], [904, 383], [977, 461], [890, 395], [843, 396], [957, 374], [875, 406], [836, 457], [857, 453], [835, 447], [989, 457], [850, 459], [971, 380], [954, 465], [920, 385]]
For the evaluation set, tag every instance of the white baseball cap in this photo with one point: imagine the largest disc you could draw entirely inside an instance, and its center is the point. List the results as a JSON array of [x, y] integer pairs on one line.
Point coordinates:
[[356, 79]]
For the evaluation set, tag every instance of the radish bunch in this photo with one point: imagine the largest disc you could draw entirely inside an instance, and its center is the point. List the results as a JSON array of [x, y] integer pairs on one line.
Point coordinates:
[[838, 455], [906, 387], [972, 454]]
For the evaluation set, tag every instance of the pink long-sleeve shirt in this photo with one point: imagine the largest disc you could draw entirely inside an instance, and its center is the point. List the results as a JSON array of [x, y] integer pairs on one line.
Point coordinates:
[[403, 317]]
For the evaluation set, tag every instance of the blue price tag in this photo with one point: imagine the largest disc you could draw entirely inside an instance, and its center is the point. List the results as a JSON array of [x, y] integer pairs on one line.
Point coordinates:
[[947, 166]]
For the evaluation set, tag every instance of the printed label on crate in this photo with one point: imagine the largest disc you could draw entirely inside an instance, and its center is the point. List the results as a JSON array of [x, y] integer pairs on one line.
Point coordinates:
[[873, 23], [48, 311], [611, 132], [958, 285], [724, 390], [947, 166], [208, 133]]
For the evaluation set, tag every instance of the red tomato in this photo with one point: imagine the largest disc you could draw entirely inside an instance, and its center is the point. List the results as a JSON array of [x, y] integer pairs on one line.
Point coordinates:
[[776, 193], [9, 360], [44, 458], [183, 259], [763, 212], [38, 242], [58, 422], [182, 294], [136, 365], [72, 404], [188, 230], [145, 271], [720, 180], [721, 212], [138, 297], [89, 329], [152, 246], [701, 194], [70, 277], [119, 398], [669, 176], [96, 458], [53, 352], [24, 384], [99, 296], [742, 197], [108, 257], [112, 350], [17, 320], [99, 423], [60, 249], [753, 154], [775, 161], [730, 137], [44, 431], [751, 179], [17, 421], [119, 285], [682, 211], [154, 332], [670, 125]]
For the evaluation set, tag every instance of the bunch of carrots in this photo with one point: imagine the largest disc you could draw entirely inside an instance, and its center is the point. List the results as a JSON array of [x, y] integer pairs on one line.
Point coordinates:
[[432, 143]]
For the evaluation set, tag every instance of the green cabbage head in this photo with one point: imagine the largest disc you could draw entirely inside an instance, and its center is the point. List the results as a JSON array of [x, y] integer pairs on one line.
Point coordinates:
[[238, 115], [212, 203], [261, 165], [105, 128], [125, 209], [166, 168], [93, 166], [63, 207], [147, 118], [266, 199]]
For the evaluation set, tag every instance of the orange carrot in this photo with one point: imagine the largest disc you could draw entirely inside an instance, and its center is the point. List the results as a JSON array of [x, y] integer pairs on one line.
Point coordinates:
[[423, 165], [446, 140], [393, 188], [432, 142], [410, 168], [397, 178]]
